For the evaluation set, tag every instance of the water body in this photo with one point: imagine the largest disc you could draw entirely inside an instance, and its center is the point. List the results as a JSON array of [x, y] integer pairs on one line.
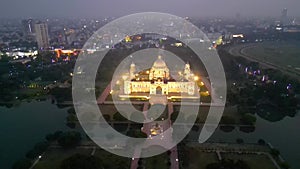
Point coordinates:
[[283, 135], [23, 126]]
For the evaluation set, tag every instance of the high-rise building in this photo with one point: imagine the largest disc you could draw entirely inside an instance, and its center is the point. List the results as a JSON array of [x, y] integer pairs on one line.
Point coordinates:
[[28, 27], [42, 37], [284, 16]]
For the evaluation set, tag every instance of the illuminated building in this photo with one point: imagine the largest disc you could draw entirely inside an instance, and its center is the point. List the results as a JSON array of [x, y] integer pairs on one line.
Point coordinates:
[[157, 82], [22, 54], [60, 52], [42, 37]]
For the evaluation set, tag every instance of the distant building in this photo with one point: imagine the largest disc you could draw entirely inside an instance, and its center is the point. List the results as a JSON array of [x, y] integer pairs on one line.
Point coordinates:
[[28, 27], [284, 17], [42, 37]]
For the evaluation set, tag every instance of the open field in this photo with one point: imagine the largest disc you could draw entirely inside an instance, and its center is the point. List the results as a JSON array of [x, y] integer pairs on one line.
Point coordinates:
[[159, 161], [253, 160], [200, 155], [196, 159], [53, 158], [279, 55]]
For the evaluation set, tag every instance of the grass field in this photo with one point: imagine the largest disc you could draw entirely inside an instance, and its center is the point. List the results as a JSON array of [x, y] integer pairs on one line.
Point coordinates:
[[53, 157], [254, 161], [282, 54], [159, 162], [196, 159]]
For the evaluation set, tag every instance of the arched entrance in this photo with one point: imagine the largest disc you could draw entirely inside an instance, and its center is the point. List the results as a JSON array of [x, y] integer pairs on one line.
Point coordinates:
[[158, 90]]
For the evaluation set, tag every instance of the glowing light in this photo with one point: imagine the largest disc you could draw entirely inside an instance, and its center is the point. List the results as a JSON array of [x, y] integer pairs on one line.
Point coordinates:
[[289, 86], [238, 36], [128, 39], [178, 44], [196, 78], [264, 78], [124, 77], [138, 38]]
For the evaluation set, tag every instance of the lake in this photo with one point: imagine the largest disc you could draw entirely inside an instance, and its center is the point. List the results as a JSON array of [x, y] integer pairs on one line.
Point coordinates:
[[283, 135], [23, 126]]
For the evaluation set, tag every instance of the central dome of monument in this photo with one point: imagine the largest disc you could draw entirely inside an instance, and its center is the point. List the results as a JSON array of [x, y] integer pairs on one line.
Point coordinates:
[[159, 63]]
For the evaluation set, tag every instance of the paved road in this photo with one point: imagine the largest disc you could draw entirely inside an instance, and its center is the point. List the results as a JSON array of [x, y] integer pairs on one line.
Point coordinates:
[[174, 158], [163, 140], [104, 94]]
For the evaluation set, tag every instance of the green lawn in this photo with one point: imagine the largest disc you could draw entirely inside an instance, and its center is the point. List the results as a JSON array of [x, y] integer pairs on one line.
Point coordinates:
[[157, 162], [203, 112], [53, 157], [196, 159], [279, 53], [254, 161], [111, 161]]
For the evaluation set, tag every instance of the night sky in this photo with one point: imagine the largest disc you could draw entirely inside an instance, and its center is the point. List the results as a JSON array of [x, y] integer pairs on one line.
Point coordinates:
[[105, 8]]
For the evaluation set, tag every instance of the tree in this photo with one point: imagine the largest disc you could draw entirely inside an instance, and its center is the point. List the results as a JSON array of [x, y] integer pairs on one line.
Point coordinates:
[[106, 117], [274, 152], [137, 116], [71, 120], [136, 134], [69, 139], [227, 120], [174, 116], [249, 119], [22, 164], [285, 165], [228, 164], [38, 149], [71, 110], [118, 117], [261, 142], [81, 161], [240, 141]]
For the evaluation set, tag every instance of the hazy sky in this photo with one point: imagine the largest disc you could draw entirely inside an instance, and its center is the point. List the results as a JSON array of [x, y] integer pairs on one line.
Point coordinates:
[[104, 8]]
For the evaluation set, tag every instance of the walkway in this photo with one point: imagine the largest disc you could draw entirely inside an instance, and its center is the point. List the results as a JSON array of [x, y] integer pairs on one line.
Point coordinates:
[[104, 94], [164, 140]]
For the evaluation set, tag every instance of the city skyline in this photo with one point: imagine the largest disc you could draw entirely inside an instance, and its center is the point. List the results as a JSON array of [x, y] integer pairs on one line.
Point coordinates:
[[193, 8]]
